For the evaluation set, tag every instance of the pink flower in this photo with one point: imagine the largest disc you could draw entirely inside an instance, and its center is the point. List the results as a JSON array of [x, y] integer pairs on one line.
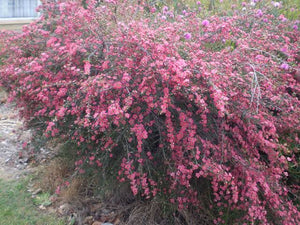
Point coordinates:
[[295, 27], [105, 65], [57, 191], [117, 85], [87, 67], [134, 190], [276, 4], [153, 10], [62, 92], [284, 66], [259, 13], [187, 36], [24, 145], [165, 9], [61, 112], [282, 18], [205, 23]]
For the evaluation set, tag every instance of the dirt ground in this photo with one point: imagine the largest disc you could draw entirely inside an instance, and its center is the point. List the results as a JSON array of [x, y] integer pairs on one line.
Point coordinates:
[[13, 135]]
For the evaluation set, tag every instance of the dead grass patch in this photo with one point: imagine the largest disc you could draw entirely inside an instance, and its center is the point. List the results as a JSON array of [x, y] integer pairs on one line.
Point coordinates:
[[54, 174], [75, 191], [156, 212]]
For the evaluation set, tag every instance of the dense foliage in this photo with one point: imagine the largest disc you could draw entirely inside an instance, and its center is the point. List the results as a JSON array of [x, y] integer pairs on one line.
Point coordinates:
[[171, 99]]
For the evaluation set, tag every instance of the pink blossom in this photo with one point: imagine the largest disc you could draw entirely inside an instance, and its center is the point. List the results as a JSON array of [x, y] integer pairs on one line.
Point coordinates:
[[117, 85], [165, 9], [276, 4], [187, 36], [259, 13], [24, 145], [284, 66], [87, 67], [282, 18], [205, 23], [153, 10], [57, 191]]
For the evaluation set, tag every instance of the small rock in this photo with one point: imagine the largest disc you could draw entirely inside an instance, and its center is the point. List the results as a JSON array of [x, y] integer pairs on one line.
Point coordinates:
[[64, 209], [42, 207], [26, 160], [20, 167]]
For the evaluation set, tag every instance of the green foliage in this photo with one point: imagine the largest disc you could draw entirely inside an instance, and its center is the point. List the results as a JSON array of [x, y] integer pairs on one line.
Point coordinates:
[[17, 207], [42, 199]]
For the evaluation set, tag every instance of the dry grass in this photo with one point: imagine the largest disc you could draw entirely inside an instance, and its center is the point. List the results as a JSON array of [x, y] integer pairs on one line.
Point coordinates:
[[53, 175], [60, 172], [157, 212], [74, 191]]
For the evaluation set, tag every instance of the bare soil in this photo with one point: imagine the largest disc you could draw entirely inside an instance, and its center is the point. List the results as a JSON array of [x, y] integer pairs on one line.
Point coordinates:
[[13, 135]]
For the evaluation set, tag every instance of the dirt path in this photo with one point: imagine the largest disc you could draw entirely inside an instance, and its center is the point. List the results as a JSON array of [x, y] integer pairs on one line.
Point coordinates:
[[12, 137]]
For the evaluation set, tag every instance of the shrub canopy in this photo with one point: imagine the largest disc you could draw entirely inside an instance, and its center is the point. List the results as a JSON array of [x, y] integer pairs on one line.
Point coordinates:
[[171, 99]]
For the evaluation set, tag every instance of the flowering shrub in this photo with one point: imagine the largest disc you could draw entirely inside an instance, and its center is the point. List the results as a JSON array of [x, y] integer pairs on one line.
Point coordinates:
[[173, 100]]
